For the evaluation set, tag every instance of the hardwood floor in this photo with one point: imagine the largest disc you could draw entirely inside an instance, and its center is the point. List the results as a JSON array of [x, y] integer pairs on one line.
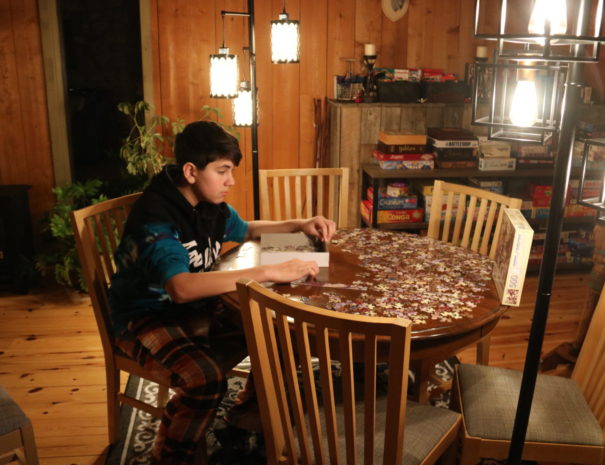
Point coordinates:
[[51, 360]]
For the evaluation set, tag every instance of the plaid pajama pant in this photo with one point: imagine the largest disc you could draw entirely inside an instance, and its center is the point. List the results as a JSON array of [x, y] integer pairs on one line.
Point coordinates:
[[196, 352]]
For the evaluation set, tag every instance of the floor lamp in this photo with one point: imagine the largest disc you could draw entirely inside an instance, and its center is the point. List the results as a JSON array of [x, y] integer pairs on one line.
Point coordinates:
[[285, 49], [545, 61], [224, 83]]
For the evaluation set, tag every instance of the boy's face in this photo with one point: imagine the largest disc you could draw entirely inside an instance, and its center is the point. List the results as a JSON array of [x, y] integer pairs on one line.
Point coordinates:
[[212, 184]]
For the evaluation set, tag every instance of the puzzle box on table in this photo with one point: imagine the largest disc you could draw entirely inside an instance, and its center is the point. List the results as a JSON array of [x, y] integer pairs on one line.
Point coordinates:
[[512, 256], [281, 247]]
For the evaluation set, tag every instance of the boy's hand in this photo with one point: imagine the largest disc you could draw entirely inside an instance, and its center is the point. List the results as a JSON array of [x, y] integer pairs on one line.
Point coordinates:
[[290, 271], [320, 227]]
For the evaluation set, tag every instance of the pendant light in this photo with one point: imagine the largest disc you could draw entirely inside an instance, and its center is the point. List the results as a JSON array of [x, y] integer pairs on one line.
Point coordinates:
[[223, 71], [242, 104], [285, 39]]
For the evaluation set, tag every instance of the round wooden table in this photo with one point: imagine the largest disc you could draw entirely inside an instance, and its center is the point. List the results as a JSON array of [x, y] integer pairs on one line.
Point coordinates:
[[446, 291]]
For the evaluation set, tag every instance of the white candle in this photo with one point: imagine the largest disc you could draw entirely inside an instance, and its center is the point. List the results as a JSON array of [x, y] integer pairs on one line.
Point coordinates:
[[369, 49], [481, 51]]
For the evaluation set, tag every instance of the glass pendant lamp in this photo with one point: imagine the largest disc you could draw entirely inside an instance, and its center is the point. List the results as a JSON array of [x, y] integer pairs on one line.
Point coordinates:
[[242, 105], [223, 72], [285, 39]]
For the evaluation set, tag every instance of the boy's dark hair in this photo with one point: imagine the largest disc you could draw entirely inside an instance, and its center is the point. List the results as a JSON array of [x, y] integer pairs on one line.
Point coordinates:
[[203, 142]]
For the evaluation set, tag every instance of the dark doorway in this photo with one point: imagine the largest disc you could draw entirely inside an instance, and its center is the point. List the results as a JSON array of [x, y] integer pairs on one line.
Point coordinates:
[[102, 50]]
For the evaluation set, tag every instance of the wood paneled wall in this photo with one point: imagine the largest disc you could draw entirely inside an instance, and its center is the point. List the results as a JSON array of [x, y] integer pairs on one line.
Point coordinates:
[[433, 33], [25, 155]]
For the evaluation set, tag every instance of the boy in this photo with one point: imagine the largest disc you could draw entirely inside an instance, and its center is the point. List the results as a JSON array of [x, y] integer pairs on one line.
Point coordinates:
[[165, 309]]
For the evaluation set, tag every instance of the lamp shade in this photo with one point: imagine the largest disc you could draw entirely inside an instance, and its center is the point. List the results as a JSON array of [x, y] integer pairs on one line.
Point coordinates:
[[285, 40], [223, 74], [524, 100], [545, 30], [242, 105]]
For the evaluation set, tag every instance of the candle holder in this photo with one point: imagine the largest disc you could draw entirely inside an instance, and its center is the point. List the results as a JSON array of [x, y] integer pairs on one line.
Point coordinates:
[[370, 93]]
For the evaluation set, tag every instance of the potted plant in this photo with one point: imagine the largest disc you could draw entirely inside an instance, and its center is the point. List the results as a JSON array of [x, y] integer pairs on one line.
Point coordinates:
[[143, 149], [143, 152], [58, 251]]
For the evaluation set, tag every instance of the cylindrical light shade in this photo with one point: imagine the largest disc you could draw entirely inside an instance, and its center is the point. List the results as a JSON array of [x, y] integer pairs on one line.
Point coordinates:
[[242, 105], [223, 74], [285, 40]]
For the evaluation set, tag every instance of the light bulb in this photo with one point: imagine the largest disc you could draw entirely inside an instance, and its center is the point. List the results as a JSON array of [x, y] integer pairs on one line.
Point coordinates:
[[554, 11], [524, 107]]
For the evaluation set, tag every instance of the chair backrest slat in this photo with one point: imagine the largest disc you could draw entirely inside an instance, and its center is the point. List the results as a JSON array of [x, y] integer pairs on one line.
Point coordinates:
[[459, 218], [489, 225], [327, 389], [310, 389], [282, 334], [288, 199], [102, 238], [332, 195], [370, 360], [475, 224], [264, 190], [348, 394], [289, 364], [305, 192], [276, 196], [477, 233], [321, 200]]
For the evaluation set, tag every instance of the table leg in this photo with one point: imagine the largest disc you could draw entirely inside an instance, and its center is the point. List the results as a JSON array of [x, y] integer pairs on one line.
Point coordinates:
[[422, 372], [483, 350]]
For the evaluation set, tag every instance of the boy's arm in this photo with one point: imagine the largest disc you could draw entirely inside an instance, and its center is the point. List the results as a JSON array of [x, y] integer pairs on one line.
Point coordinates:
[[317, 226], [187, 287]]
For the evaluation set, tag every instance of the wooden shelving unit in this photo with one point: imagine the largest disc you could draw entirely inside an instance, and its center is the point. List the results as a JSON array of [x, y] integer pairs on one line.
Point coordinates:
[[354, 131], [373, 175]]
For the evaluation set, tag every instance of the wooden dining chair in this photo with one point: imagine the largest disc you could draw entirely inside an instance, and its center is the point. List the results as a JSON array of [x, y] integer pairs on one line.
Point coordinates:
[[472, 218], [567, 419], [98, 229], [287, 194], [306, 420]]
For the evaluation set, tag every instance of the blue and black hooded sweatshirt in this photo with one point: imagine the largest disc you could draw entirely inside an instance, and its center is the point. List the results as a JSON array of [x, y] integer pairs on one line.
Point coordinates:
[[165, 235]]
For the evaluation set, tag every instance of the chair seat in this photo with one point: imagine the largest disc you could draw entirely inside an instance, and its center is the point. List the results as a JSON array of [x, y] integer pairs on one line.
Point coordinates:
[[489, 402], [425, 427], [12, 417]]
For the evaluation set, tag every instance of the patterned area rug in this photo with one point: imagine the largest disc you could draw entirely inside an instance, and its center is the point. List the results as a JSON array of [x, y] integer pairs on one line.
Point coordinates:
[[226, 445]]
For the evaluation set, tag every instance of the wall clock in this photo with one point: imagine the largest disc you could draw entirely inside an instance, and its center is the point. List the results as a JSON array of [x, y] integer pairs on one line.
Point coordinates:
[[395, 9]]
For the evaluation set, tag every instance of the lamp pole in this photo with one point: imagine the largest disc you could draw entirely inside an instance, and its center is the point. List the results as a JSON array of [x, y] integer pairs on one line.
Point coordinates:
[[571, 98], [569, 111], [254, 128]]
